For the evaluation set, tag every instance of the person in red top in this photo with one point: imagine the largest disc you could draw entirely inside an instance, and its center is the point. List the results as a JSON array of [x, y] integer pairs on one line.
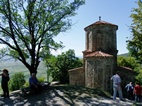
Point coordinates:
[[137, 92]]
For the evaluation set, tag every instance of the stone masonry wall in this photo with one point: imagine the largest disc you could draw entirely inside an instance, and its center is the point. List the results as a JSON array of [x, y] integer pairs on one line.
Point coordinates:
[[98, 72], [76, 76]]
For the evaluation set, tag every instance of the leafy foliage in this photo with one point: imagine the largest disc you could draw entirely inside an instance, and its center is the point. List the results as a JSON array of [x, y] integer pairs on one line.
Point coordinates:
[[17, 81], [130, 62], [41, 79], [139, 77], [60, 65], [27, 28], [134, 43]]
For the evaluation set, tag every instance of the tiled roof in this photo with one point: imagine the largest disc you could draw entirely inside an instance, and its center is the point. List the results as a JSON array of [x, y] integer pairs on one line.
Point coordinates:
[[126, 69], [79, 68], [86, 51], [100, 22], [98, 54]]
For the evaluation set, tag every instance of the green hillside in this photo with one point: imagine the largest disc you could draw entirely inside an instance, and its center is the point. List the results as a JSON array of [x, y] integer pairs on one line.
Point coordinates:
[[124, 55], [16, 66]]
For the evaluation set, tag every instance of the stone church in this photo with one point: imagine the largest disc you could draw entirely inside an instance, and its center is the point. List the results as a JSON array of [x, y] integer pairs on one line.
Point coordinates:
[[99, 58]]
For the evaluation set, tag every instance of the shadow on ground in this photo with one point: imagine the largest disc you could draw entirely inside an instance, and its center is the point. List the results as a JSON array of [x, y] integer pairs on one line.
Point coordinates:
[[62, 95]]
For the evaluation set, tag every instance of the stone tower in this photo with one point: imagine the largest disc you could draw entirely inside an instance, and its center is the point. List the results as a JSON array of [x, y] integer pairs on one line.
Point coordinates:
[[100, 59], [100, 56], [101, 36]]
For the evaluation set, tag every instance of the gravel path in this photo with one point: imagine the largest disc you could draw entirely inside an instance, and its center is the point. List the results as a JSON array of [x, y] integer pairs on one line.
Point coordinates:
[[58, 97]]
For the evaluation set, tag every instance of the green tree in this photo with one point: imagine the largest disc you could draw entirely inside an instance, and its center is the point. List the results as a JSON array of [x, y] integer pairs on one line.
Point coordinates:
[[134, 43], [130, 62], [60, 65], [139, 77], [27, 27]]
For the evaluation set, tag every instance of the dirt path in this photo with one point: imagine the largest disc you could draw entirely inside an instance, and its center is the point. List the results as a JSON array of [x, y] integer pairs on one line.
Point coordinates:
[[55, 96]]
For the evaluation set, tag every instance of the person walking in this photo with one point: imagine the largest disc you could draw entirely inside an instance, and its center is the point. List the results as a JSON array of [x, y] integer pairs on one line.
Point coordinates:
[[137, 92], [129, 88], [117, 86], [4, 83]]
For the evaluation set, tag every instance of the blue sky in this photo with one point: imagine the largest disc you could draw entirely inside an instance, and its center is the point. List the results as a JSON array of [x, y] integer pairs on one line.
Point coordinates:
[[113, 11]]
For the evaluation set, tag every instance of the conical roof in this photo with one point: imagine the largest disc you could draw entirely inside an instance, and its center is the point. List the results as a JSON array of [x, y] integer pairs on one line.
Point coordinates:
[[100, 22]]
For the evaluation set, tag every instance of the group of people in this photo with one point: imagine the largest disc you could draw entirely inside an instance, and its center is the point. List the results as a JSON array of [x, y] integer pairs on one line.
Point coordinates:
[[33, 83], [133, 91]]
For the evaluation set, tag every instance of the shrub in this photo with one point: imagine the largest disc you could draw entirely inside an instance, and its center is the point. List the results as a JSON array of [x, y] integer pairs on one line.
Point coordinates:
[[17, 81], [41, 79], [26, 84]]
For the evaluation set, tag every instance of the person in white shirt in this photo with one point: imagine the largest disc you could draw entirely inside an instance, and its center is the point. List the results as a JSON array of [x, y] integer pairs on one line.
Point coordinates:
[[117, 86]]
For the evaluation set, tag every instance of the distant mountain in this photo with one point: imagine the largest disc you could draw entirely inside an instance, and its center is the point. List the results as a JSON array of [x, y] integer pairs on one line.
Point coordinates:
[[124, 55], [16, 66]]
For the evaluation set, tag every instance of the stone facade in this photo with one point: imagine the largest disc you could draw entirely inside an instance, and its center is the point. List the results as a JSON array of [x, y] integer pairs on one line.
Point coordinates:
[[101, 36], [98, 70], [100, 57], [76, 76]]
